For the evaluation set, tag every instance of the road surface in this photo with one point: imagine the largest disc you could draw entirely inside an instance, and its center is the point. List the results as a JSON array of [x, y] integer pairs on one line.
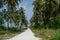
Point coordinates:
[[27, 35]]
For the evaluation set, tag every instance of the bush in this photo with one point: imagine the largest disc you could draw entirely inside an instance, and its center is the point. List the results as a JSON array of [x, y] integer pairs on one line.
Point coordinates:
[[2, 32], [55, 36], [5, 32], [57, 21], [13, 30], [47, 34], [2, 28], [37, 26], [51, 25]]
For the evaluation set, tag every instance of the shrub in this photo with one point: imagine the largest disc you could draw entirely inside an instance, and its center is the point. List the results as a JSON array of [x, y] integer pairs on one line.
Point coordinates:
[[37, 26], [57, 21], [47, 34], [2, 27], [55, 36]]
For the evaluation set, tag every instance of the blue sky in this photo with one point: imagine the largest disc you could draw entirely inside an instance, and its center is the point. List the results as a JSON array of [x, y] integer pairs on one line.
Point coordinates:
[[27, 5]]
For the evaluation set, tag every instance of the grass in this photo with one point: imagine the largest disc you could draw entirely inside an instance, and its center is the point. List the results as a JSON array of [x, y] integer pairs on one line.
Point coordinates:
[[1, 38], [47, 34], [9, 33]]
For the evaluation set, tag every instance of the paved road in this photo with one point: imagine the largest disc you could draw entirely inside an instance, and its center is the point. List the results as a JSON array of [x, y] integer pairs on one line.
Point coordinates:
[[27, 35]]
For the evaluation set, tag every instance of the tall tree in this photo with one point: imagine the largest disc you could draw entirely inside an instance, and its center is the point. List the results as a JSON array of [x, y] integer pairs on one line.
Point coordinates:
[[11, 6], [1, 19], [50, 9], [5, 16], [16, 18], [37, 16], [1, 3], [44, 11], [23, 20]]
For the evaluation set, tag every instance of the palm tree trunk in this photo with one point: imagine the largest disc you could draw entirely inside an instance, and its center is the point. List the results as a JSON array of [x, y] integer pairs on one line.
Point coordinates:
[[8, 24]]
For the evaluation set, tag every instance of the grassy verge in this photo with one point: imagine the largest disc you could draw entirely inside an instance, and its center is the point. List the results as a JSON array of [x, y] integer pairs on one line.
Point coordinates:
[[47, 34], [1, 38], [9, 33]]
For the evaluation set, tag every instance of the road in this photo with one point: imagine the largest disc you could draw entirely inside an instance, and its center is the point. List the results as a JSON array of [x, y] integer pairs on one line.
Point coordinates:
[[27, 35]]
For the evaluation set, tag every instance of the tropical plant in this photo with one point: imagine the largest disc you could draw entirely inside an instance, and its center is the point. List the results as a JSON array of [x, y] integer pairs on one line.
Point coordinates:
[[1, 3], [22, 17], [16, 18], [44, 11], [37, 16]]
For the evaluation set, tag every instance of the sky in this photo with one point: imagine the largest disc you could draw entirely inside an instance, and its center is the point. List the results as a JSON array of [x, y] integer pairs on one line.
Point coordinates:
[[27, 5]]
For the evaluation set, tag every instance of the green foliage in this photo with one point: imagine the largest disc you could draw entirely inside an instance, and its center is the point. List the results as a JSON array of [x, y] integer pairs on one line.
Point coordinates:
[[22, 17], [16, 19], [55, 36], [1, 38], [37, 26], [19, 18], [37, 16], [44, 13], [13, 30], [47, 34], [1, 20], [8, 31], [55, 24], [2, 28], [57, 21], [49, 25], [57, 18], [1, 3]]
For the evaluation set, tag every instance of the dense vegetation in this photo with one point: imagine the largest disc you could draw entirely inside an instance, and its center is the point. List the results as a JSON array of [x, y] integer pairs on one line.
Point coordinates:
[[45, 12], [47, 34], [45, 22], [11, 15]]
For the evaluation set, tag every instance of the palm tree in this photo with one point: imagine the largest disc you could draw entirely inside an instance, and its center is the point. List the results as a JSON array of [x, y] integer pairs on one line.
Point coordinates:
[[50, 7], [37, 16], [11, 6], [5, 16], [23, 20], [44, 11], [16, 18], [1, 3], [59, 7], [1, 19], [20, 19]]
